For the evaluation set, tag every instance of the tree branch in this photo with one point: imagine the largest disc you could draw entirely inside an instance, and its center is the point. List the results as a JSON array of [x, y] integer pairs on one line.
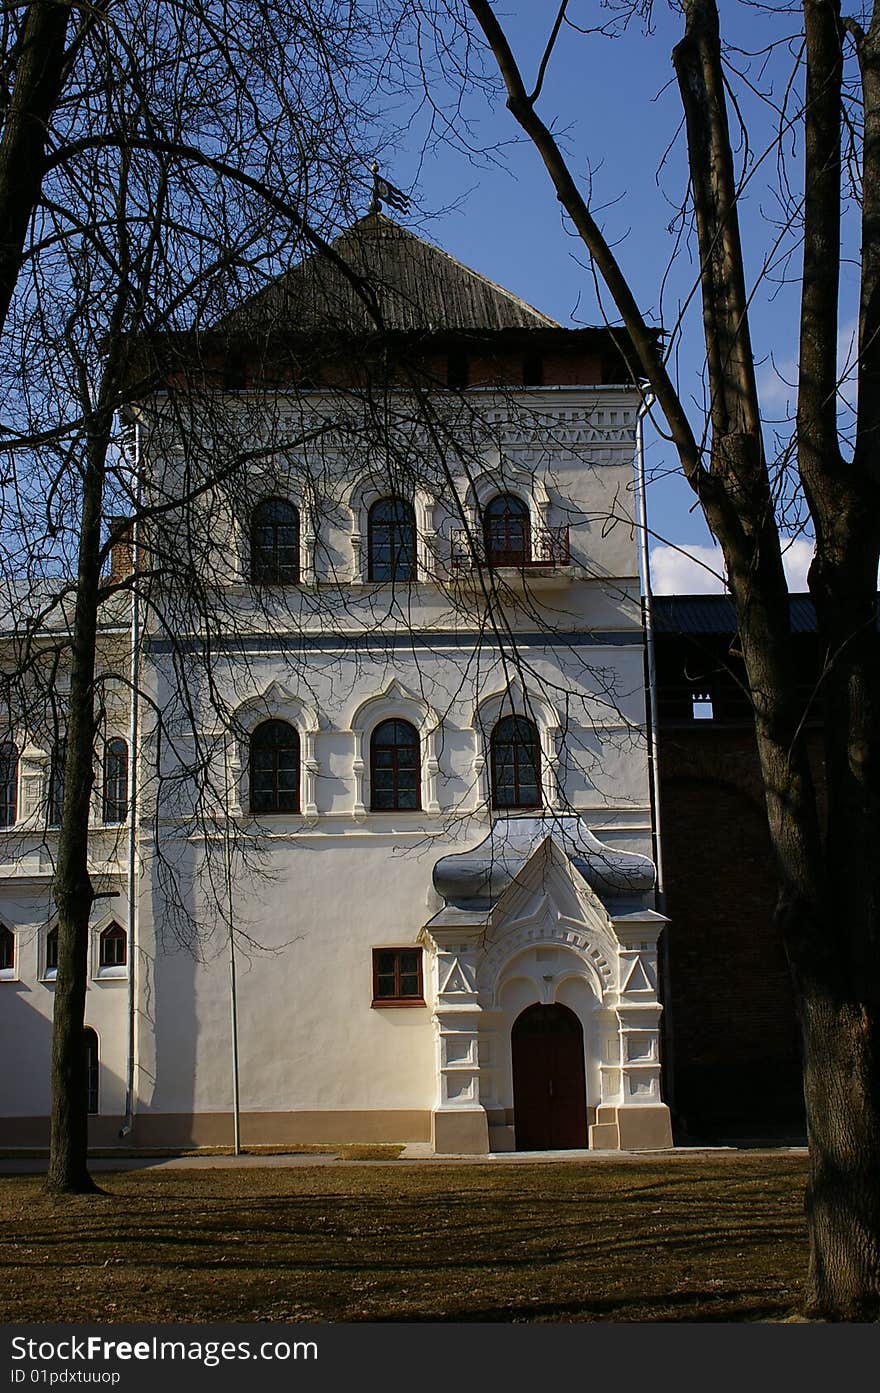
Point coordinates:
[[649, 358]]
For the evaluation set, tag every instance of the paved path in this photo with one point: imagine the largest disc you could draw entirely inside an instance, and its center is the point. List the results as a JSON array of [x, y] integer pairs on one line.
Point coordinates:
[[37, 1165]]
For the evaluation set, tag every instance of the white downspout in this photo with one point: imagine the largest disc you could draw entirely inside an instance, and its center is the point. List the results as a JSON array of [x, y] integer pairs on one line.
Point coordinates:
[[650, 650], [653, 727], [133, 772], [230, 920]]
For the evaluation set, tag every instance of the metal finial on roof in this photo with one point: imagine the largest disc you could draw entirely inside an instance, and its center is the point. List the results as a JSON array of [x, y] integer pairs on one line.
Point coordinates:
[[389, 193]]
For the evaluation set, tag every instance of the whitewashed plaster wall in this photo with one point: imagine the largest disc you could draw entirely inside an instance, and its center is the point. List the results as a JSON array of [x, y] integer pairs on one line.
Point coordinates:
[[334, 887], [27, 999]]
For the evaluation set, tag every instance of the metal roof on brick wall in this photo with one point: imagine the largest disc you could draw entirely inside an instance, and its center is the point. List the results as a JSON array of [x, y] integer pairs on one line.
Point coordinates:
[[714, 614]]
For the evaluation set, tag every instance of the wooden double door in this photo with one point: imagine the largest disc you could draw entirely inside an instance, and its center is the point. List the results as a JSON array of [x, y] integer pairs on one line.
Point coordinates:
[[549, 1082]]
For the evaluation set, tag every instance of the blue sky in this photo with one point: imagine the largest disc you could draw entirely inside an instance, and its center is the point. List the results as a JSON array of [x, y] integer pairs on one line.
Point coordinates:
[[619, 105]]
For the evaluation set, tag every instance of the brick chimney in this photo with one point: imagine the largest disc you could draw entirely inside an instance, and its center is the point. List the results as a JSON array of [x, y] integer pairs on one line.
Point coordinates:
[[121, 559]]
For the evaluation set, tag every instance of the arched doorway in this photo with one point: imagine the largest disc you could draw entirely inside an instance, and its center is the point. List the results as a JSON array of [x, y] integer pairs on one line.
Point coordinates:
[[549, 1085]]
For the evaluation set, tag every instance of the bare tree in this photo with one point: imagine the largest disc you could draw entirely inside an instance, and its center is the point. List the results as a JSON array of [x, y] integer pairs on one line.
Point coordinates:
[[829, 891], [35, 64], [133, 224]]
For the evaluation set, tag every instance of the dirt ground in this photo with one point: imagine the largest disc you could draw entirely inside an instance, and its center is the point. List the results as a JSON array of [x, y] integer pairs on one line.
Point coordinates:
[[680, 1239]]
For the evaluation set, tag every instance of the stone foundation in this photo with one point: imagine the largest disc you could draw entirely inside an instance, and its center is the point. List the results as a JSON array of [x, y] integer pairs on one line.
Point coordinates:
[[463, 1132], [632, 1129]]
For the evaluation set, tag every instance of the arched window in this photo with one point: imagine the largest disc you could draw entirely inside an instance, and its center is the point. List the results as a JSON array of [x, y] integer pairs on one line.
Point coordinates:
[[90, 1047], [516, 764], [113, 947], [391, 540], [8, 785], [274, 768], [275, 543], [51, 952], [115, 781], [56, 782], [395, 772], [7, 949], [506, 531]]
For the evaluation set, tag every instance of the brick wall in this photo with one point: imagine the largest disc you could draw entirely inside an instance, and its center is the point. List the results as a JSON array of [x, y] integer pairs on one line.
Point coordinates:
[[730, 1020]]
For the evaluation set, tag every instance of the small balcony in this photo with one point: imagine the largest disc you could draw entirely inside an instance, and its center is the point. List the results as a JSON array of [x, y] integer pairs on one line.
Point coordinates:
[[541, 553]]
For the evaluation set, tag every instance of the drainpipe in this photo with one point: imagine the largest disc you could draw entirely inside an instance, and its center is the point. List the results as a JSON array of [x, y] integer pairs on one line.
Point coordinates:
[[650, 651], [653, 726], [233, 1000], [133, 770]]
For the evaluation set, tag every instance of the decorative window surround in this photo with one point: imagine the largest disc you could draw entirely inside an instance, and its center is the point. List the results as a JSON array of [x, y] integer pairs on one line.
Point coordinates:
[[32, 776], [513, 701], [275, 703], [395, 702], [49, 949], [9, 957], [276, 486], [108, 971], [360, 499], [502, 477]]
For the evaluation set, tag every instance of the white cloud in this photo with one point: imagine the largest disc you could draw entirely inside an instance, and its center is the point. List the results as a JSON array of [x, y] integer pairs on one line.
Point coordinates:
[[777, 379], [687, 570], [698, 570], [796, 559], [777, 384]]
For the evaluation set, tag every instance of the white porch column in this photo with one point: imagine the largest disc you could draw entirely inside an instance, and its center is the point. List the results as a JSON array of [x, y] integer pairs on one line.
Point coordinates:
[[636, 1118], [459, 1121]]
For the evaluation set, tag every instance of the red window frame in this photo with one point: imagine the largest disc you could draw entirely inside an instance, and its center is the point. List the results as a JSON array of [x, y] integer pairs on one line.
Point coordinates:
[[381, 996], [520, 752], [109, 952], [274, 768], [402, 773], [507, 531], [275, 551], [8, 784], [92, 1066], [115, 782], [391, 540]]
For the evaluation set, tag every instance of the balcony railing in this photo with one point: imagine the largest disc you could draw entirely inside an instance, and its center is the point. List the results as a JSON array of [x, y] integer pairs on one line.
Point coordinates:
[[547, 547]]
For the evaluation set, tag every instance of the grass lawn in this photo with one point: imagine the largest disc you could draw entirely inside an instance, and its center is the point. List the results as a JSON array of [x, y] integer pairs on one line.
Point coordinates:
[[682, 1238]]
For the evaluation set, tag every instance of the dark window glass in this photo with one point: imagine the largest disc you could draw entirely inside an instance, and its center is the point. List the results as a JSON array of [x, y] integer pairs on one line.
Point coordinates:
[[8, 785], [507, 532], [115, 781], [516, 764], [275, 543], [113, 947], [234, 372], [56, 783], [458, 369], [391, 540], [7, 948], [90, 1045], [52, 950], [274, 768], [395, 773], [533, 370], [397, 975]]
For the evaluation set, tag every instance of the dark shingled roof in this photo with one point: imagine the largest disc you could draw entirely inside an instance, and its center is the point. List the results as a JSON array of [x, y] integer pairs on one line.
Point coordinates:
[[714, 614], [418, 287]]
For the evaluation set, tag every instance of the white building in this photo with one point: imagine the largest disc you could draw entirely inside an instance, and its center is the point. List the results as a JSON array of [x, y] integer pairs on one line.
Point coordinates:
[[421, 810]]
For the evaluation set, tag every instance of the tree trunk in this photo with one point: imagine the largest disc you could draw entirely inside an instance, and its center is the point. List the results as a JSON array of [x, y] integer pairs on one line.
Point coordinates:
[[842, 1095], [38, 80], [830, 882], [73, 891]]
